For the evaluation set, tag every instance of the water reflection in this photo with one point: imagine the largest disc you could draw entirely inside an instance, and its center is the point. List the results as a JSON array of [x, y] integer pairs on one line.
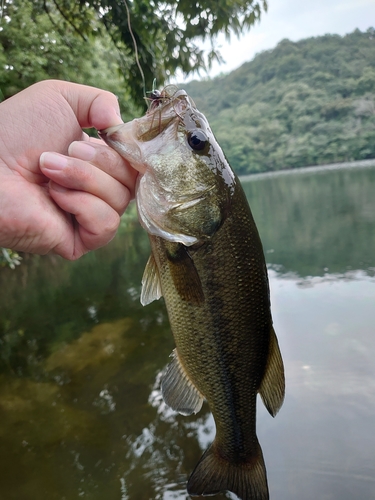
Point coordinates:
[[324, 443], [316, 222], [81, 412]]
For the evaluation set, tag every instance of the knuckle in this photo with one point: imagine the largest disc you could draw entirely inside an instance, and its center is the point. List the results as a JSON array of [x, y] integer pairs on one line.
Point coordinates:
[[80, 175], [107, 158], [112, 223], [124, 201]]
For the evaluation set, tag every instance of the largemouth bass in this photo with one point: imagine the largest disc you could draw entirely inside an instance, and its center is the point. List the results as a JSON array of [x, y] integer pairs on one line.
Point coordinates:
[[207, 262]]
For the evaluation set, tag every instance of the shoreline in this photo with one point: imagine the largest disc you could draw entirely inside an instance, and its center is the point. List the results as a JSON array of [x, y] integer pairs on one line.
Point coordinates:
[[311, 169]]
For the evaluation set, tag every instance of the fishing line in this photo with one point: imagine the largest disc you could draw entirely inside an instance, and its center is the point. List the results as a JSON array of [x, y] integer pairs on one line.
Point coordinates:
[[135, 49]]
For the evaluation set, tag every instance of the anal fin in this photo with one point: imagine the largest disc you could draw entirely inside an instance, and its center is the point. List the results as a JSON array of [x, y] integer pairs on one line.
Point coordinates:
[[178, 390], [272, 388]]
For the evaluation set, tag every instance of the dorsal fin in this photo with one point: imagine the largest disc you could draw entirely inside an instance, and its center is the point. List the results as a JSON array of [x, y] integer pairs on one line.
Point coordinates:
[[151, 288], [178, 390], [272, 388]]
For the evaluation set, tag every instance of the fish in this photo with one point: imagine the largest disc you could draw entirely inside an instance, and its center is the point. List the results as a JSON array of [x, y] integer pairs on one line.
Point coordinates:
[[207, 262]]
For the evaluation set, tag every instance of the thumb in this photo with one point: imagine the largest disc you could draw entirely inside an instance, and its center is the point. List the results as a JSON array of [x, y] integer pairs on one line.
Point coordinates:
[[93, 107]]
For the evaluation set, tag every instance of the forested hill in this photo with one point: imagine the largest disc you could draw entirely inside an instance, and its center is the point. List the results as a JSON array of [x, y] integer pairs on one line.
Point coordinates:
[[303, 103]]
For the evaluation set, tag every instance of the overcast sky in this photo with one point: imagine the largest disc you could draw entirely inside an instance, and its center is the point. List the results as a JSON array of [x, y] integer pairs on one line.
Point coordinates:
[[295, 19]]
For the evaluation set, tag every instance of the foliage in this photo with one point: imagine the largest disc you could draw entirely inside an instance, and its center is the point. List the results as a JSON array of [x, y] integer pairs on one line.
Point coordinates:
[[167, 31], [48, 34], [304, 103], [35, 45], [9, 258]]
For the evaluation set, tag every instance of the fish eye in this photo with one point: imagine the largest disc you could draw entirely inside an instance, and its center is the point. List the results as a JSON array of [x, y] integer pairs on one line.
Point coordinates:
[[197, 140]]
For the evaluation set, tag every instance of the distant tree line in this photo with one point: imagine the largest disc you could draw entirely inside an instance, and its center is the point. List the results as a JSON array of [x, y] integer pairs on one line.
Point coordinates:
[[303, 103]]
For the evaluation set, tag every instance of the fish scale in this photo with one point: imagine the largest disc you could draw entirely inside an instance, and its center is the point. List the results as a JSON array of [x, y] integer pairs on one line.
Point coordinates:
[[207, 262]]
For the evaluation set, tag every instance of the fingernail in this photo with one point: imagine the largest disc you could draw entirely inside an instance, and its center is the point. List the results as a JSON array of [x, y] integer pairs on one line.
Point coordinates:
[[81, 150], [53, 161]]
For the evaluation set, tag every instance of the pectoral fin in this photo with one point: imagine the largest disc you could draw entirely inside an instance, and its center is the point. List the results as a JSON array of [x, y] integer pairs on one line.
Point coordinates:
[[272, 388], [178, 390], [151, 288], [184, 273]]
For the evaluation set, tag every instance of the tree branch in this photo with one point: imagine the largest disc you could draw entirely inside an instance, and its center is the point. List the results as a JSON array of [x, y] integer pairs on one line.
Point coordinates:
[[69, 21]]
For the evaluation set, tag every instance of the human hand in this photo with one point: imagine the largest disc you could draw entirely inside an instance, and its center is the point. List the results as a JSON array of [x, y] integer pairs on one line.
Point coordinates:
[[69, 199]]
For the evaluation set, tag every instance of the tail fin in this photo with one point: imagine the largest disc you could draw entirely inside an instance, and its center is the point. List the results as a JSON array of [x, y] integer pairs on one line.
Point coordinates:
[[214, 474]]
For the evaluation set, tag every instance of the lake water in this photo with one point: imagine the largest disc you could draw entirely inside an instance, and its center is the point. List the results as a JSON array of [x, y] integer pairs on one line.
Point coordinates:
[[81, 415]]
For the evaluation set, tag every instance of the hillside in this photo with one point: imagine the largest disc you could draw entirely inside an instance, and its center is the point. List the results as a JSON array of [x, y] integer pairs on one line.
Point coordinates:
[[303, 103]]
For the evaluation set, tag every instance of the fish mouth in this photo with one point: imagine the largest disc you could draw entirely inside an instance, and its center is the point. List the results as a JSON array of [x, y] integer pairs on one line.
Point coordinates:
[[102, 134], [121, 139], [106, 133]]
